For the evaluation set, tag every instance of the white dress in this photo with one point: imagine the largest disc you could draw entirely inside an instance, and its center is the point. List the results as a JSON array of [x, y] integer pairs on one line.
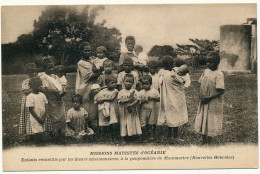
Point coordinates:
[[37, 102]]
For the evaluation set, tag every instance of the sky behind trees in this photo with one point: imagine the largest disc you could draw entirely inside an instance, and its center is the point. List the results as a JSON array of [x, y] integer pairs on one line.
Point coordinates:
[[150, 24]]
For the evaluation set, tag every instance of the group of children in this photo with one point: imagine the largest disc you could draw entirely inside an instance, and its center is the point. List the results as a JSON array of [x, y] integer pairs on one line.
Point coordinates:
[[137, 96]]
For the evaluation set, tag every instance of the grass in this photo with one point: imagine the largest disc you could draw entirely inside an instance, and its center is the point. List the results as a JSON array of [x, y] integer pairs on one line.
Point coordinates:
[[240, 111]]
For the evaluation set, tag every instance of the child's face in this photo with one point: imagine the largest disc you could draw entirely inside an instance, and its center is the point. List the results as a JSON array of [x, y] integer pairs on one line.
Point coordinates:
[[100, 54], [130, 45], [76, 103], [59, 73], [86, 52], [50, 69], [138, 50], [153, 70], [108, 67], [32, 73], [211, 63], [146, 85], [128, 67], [111, 85], [128, 82], [36, 88]]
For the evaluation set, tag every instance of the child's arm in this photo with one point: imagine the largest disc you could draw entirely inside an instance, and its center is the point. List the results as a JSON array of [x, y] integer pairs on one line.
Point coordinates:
[[110, 98], [205, 100], [40, 121]]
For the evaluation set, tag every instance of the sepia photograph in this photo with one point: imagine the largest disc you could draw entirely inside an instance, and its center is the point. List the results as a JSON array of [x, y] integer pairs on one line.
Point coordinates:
[[129, 86]]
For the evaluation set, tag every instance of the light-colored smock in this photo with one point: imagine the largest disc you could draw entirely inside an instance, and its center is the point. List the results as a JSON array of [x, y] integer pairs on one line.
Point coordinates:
[[149, 108], [209, 116], [83, 85], [113, 107], [37, 102], [173, 108], [129, 122]]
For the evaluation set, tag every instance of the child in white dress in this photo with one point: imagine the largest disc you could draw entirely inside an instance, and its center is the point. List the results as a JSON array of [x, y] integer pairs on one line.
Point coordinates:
[[128, 98], [36, 102], [77, 120], [153, 72], [107, 106], [150, 98], [24, 124], [101, 57], [209, 117]]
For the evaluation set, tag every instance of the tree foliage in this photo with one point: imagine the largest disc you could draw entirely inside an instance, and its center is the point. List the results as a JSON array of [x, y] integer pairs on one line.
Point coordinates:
[[58, 32], [160, 51]]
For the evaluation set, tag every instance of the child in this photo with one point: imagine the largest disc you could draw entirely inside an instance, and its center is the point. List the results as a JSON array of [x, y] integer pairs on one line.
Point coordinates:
[[140, 58], [101, 57], [127, 66], [149, 109], [181, 74], [24, 124], [77, 119], [210, 111], [173, 109], [36, 102], [153, 69], [60, 77], [128, 98], [108, 70], [129, 43], [107, 106]]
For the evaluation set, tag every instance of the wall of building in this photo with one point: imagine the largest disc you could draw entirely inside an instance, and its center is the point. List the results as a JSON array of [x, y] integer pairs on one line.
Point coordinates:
[[235, 47]]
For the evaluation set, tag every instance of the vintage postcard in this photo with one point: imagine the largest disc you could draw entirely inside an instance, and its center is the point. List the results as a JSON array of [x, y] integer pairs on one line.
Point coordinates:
[[129, 86]]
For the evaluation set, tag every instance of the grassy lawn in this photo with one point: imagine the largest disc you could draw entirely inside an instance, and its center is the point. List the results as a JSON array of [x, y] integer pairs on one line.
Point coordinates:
[[240, 110]]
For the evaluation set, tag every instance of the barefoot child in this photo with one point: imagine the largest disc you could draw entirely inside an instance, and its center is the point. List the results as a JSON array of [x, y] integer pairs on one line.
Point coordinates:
[[77, 120], [128, 99], [173, 109], [107, 106], [149, 105], [24, 124], [210, 111], [36, 102]]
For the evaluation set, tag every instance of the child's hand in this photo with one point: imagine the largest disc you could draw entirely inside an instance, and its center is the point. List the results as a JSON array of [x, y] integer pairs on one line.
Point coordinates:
[[205, 100]]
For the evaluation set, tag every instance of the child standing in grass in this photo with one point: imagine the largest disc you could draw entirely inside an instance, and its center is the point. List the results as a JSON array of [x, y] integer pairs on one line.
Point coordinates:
[[128, 98], [149, 105], [210, 111], [107, 106], [36, 102], [128, 69], [24, 124], [77, 120], [173, 108]]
